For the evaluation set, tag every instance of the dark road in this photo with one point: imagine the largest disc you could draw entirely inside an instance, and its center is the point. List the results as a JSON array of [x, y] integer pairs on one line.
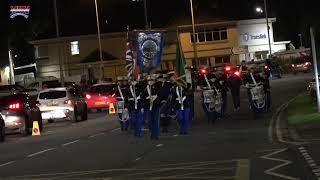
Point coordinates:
[[237, 147]]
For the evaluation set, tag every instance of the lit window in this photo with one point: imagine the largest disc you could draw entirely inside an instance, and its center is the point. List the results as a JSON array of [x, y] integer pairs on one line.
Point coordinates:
[[75, 48]]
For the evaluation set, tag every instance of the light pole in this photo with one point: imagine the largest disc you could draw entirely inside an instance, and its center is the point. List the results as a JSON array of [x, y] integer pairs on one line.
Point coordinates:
[[145, 12], [194, 35], [300, 35], [56, 19], [99, 41], [315, 65], [260, 10], [268, 28]]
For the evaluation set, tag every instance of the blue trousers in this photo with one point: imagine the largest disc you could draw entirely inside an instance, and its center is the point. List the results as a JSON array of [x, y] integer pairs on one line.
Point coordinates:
[[124, 124], [154, 118], [183, 117], [136, 118], [211, 116]]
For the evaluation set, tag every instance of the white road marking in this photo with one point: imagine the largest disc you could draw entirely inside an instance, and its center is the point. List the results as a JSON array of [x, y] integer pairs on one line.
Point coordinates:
[[40, 152], [96, 135], [284, 163], [138, 158], [310, 161], [72, 142], [270, 130], [115, 130], [5, 164], [143, 170], [159, 145], [175, 135], [275, 121]]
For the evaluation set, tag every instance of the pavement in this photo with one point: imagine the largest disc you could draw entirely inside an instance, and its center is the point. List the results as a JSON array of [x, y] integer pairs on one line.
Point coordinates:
[[237, 147]]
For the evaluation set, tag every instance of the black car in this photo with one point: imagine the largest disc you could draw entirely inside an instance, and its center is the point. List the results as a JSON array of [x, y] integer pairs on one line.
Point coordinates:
[[270, 67], [18, 111]]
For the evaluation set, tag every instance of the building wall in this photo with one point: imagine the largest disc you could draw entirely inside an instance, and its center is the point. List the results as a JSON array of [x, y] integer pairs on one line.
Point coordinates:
[[4, 76], [250, 33], [49, 66]]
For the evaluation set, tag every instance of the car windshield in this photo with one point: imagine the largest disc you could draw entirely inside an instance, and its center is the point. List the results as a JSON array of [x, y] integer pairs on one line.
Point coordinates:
[[102, 89], [52, 95]]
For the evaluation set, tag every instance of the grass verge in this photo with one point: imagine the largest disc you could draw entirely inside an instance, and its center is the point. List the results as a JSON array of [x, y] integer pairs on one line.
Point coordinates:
[[302, 111]]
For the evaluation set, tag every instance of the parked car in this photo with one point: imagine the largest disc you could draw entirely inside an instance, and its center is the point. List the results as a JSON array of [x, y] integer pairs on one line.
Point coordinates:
[[301, 67], [271, 67], [99, 96], [2, 130], [62, 103], [18, 112], [14, 89]]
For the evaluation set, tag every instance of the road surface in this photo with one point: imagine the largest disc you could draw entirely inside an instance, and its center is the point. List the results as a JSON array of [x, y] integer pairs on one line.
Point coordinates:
[[236, 147]]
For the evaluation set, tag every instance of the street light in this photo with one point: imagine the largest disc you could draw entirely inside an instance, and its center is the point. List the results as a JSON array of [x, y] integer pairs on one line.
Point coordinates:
[[145, 12], [260, 10]]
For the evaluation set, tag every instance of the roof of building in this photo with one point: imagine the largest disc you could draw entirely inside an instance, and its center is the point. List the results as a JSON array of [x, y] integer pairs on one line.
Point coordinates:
[[94, 56]]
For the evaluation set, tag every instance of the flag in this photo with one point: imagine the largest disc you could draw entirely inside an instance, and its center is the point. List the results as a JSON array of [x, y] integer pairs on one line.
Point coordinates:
[[132, 68], [180, 65]]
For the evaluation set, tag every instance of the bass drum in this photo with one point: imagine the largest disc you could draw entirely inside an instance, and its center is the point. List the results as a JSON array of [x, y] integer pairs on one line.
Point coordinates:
[[123, 113]]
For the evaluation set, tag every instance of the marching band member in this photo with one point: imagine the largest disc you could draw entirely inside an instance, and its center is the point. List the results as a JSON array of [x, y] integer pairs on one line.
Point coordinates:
[[166, 100], [135, 107], [122, 101], [182, 106], [152, 107], [211, 98]]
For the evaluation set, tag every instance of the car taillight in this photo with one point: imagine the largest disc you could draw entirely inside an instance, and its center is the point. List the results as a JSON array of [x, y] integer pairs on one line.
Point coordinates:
[[203, 71], [69, 102], [227, 68], [88, 96], [15, 106], [266, 67], [237, 73]]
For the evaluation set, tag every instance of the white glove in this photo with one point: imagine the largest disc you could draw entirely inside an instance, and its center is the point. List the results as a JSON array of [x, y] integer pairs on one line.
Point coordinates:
[[142, 110]]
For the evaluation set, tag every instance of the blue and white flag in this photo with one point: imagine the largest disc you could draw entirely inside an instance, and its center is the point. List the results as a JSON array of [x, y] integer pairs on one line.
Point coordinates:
[[149, 50]]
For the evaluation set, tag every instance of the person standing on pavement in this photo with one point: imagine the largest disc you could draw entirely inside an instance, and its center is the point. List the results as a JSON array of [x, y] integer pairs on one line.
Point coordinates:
[[152, 107], [234, 83], [135, 107], [182, 107], [122, 102]]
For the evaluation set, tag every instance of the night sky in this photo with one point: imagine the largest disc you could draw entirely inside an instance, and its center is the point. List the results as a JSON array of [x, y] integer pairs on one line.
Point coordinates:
[[77, 17]]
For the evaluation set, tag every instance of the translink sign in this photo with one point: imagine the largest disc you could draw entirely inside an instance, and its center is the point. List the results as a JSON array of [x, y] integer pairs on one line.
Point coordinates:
[[248, 37]]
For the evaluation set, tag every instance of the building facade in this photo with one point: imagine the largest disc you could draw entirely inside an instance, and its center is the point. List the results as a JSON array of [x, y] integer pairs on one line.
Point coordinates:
[[215, 43]]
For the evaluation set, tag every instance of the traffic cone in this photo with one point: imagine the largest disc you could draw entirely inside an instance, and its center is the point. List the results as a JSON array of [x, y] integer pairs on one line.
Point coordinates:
[[111, 109], [35, 129]]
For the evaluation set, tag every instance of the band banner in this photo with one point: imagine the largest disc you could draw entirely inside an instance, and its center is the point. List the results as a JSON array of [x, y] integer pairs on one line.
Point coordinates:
[[149, 50]]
